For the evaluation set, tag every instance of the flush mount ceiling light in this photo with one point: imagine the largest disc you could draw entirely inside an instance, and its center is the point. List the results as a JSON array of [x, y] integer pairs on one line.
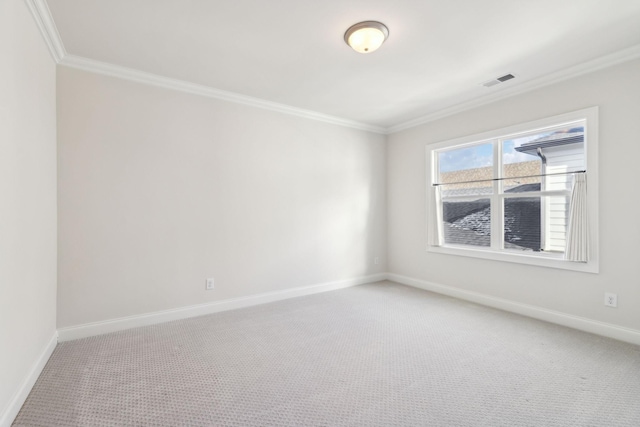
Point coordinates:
[[367, 36]]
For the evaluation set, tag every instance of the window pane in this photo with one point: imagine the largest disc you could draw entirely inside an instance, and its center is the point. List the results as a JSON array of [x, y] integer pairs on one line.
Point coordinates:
[[522, 168], [553, 153], [467, 222], [535, 223], [466, 164]]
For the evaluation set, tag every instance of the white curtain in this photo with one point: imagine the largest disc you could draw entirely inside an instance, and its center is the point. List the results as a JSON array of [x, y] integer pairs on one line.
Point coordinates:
[[577, 230], [437, 234]]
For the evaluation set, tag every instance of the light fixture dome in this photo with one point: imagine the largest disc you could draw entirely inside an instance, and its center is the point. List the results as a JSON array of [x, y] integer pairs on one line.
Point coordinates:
[[367, 36]]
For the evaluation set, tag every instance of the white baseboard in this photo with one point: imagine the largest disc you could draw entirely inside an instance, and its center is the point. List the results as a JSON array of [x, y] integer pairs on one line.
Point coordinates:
[[12, 409], [113, 325], [581, 323], [576, 322]]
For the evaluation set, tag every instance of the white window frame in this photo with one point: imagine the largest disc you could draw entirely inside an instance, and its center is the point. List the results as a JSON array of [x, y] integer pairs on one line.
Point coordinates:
[[590, 117]]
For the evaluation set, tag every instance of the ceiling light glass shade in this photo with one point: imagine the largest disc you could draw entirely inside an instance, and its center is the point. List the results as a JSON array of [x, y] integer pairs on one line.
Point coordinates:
[[365, 37]]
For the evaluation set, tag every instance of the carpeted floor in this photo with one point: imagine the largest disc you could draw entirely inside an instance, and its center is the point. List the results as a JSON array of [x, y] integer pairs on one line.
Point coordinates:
[[380, 354]]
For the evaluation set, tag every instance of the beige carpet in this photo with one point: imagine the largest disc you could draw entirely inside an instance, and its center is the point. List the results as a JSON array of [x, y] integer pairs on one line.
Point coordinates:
[[374, 355]]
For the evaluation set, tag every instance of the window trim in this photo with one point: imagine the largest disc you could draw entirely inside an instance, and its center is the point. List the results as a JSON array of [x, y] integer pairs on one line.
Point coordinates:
[[590, 116]]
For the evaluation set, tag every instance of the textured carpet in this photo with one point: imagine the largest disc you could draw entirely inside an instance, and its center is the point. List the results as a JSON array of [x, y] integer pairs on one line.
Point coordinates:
[[380, 354]]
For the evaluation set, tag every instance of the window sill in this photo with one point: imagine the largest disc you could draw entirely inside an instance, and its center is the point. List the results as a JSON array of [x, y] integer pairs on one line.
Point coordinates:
[[548, 260]]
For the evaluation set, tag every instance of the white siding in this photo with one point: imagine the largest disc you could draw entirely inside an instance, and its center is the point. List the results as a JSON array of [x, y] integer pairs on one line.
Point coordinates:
[[555, 212]]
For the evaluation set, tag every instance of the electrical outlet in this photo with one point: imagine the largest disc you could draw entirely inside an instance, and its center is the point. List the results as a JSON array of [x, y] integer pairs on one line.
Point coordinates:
[[209, 284], [376, 260], [610, 300]]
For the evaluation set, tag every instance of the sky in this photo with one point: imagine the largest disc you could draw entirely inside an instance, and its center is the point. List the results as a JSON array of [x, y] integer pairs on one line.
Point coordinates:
[[476, 156], [481, 155]]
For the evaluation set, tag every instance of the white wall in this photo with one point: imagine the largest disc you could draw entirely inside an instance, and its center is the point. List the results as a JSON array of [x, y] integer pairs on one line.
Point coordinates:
[[617, 91], [160, 189], [27, 203]]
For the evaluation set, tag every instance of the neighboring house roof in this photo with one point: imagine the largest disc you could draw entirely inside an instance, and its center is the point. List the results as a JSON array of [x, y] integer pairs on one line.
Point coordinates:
[[555, 139], [518, 169], [468, 222], [524, 188], [454, 234], [521, 228]]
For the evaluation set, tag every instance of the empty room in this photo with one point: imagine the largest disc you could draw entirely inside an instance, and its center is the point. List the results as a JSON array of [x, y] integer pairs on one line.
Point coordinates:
[[339, 213]]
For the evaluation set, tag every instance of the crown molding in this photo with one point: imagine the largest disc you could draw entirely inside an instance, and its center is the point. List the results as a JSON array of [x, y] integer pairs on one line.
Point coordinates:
[[549, 79], [112, 70], [43, 19], [42, 16]]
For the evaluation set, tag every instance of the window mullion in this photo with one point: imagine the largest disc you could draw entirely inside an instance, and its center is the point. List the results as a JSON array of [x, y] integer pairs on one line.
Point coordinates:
[[562, 193], [497, 206]]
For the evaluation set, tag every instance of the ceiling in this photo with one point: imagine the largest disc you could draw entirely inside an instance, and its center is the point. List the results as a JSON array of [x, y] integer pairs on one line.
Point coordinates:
[[291, 52]]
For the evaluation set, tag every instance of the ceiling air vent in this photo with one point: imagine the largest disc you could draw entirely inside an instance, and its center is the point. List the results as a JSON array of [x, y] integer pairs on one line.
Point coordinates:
[[498, 80]]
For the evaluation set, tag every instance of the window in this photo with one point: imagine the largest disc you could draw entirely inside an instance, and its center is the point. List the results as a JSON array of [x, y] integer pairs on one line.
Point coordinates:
[[507, 194]]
